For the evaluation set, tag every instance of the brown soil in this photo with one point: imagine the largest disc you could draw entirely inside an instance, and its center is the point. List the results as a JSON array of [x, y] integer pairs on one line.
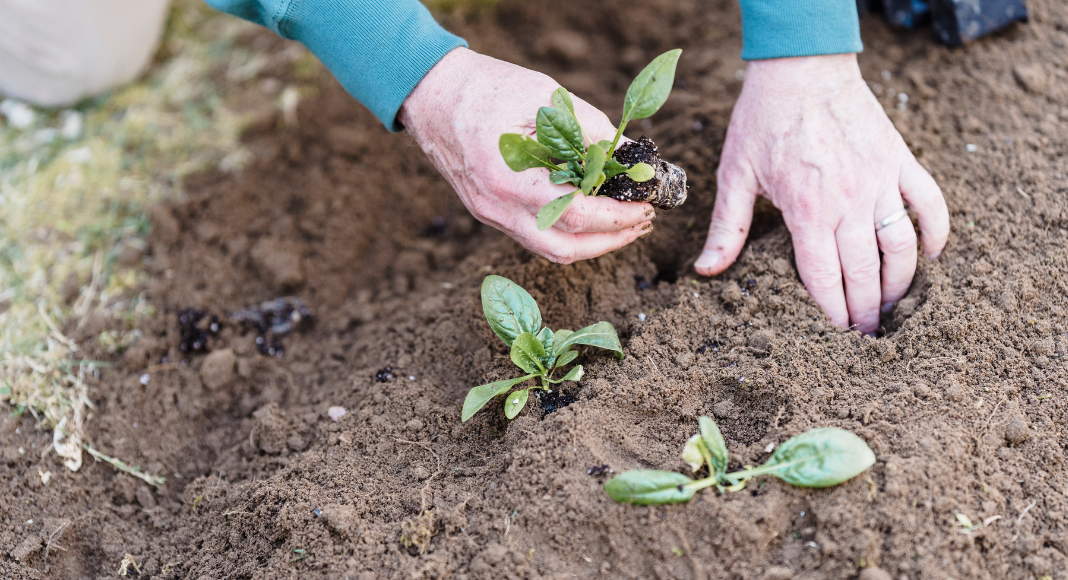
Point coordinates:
[[964, 400]]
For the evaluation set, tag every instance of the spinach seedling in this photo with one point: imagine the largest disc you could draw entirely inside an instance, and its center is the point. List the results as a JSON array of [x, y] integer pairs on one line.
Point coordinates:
[[515, 317], [817, 458], [569, 154]]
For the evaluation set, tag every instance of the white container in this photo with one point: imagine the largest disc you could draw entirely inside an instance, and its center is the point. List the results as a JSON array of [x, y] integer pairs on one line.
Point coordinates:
[[56, 52]]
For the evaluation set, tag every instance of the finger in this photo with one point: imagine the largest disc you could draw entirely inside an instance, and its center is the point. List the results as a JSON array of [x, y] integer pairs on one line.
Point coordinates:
[[859, 254], [603, 214], [925, 198], [564, 248], [817, 263], [731, 218], [585, 214], [897, 242]]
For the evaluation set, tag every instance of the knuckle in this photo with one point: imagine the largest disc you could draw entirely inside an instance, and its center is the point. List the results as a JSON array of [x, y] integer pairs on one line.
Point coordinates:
[[822, 280], [806, 207], [863, 271], [575, 220], [561, 255], [898, 243]]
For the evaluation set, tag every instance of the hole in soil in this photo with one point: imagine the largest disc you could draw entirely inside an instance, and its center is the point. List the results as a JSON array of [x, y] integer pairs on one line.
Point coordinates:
[[766, 217], [745, 415], [889, 323], [667, 268]]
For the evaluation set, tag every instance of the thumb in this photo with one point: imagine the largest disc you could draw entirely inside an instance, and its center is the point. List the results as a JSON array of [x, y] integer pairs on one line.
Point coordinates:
[[731, 218]]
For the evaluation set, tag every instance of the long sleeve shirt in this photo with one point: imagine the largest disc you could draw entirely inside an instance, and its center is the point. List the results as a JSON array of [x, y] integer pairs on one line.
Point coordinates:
[[379, 50]]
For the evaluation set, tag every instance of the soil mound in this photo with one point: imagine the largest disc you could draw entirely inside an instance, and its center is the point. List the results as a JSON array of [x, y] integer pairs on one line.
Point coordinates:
[[963, 399]]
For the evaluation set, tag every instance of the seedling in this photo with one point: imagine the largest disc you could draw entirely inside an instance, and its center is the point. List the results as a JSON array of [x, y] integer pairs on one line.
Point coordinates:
[[817, 458], [515, 317], [572, 157]]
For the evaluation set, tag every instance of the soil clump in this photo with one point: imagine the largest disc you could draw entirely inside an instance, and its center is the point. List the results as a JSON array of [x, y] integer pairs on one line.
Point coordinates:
[[666, 190]]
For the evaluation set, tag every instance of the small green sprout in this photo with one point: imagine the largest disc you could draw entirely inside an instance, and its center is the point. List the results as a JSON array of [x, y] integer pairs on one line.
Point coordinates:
[[817, 458], [582, 163], [300, 554], [515, 317]]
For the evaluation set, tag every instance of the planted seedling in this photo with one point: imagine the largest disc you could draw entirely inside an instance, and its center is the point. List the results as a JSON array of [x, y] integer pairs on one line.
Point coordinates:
[[515, 317], [817, 458], [633, 172]]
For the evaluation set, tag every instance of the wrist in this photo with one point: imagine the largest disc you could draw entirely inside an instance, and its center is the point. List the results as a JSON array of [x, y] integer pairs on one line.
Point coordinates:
[[804, 74], [435, 95]]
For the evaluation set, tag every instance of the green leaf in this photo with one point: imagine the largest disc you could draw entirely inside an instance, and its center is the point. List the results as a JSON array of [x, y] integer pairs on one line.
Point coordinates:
[[604, 144], [559, 337], [562, 101], [713, 441], [649, 487], [566, 357], [551, 212], [613, 168], [602, 335], [545, 337], [522, 153], [574, 374], [560, 132], [691, 453], [819, 458], [509, 309], [566, 176], [651, 87], [527, 353], [515, 403], [576, 168], [641, 172], [482, 394], [595, 158]]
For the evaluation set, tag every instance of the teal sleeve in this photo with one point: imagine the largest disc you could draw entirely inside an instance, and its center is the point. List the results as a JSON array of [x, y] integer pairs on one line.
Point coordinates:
[[378, 50], [784, 28]]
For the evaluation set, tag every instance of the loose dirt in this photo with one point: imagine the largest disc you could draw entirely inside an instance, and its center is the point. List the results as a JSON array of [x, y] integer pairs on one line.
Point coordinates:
[[964, 397]]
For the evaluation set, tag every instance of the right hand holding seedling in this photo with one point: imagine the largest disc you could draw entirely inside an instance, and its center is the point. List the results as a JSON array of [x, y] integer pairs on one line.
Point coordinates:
[[457, 115]]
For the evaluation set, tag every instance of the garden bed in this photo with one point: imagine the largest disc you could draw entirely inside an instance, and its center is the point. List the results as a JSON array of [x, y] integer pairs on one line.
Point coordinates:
[[963, 398]]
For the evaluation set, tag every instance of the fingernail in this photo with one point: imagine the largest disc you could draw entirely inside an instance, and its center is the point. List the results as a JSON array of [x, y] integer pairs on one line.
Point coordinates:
[[934, 256], [887, 307], [707, 260], [651, 214], [648, 229]]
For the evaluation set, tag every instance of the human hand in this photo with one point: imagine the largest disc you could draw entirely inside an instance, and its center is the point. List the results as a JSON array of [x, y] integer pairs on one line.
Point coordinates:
[[457, 115], [807, 134]]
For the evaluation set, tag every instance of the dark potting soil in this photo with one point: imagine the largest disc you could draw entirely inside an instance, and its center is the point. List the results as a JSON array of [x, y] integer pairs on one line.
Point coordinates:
[[964, 398], [666, 190]]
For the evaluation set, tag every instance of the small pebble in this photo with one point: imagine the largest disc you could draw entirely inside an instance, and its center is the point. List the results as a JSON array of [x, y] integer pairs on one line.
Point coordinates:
[[641, 316], [970, 148], [144, 379], [411, 377], [769, 448], [886, 75], [336, 413]]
